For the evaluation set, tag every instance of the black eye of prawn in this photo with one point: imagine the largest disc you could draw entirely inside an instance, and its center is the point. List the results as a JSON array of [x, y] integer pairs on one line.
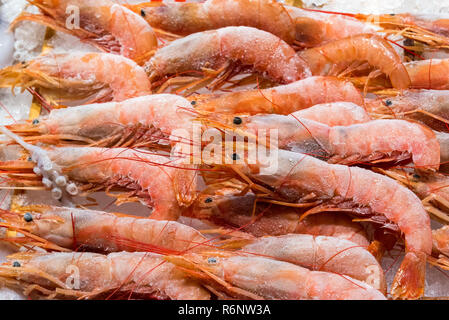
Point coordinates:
[[416, 176], [388, 102], [142, 13], [409, 42], [28, 217], [193, 102], [16, 264], [235, 156], [35, 121], [212, 260], [208, 200], [238, 120]]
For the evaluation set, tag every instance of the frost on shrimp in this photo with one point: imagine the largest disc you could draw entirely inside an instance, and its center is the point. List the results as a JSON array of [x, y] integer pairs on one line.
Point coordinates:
[[321, 253], [109, 26], [118, 274], [282, 99], [75, 76], [335, 114], [103, 232], [373, 49], [141, 121], [231, 48], [298, 177], [260, 277], [88, 169]]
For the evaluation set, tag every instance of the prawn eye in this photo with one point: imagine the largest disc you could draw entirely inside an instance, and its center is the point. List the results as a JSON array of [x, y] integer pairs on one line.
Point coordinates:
[[212, 261], [416, 176], [16, 264], [409, 42], [142, 13], [237, 120], [208, 200], [193, 102], [29, 159], [28, 217], [388, 102], [235, 156], [35, 121]]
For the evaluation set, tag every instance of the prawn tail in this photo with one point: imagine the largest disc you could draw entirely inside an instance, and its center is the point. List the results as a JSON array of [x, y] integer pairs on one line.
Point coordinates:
[[409, 281]]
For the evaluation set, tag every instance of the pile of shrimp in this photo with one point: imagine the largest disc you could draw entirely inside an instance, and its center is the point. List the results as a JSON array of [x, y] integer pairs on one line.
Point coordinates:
[[171, 113]]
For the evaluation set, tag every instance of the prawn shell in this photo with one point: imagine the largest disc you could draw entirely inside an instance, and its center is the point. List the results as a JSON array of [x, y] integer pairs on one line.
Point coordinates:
[[263, 51]]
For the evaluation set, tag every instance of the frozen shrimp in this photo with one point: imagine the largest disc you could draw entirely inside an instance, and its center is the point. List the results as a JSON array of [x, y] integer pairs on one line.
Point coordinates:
[[108, 26], [321, 253], [348, 144], [430, 107], [230, 49], [260, 277], [300, 178], [142, 121], [282, 99], [71, 170], [102, 231], [75, 76], [119, 274], [370, 48], [294, 25], [187, 18]]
